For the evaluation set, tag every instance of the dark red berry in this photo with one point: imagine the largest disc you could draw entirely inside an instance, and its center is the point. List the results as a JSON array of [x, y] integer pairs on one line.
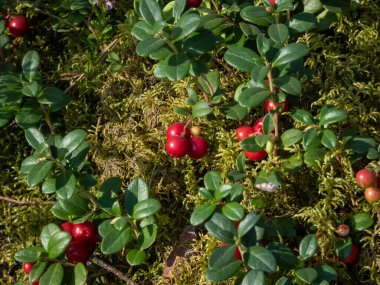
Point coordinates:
[[193, 3], [243, 132], [255, 155], [18, 26], [365, 178], [354, 254], [27, 266], [67, 227], [176, 129], [177, 146], [198, 147], [270, 105], [79, 251], [83, 231]]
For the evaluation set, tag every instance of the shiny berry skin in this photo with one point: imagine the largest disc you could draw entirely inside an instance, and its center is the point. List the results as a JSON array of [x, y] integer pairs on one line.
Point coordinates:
[[196, 131], [83, 231], [354, 254], [67, 227], [255, 155], [273, 2], [177, 146], [243, 132], [18, 26], [372, 194], [193, 3], [198, 147], [237, 253], [37, 282], [365, 178], [176, 129], [27, 266], [343, 230], [258, 126], [79, 251], [270, 105]]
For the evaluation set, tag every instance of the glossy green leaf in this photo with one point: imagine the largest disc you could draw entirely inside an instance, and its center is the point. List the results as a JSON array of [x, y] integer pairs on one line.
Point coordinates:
[[30, 254], [302, 22], [47, 232], [31, 89], [223, 273], [109, 191], [202, 213], [178, 8], [282, 226], [201, 42], [234, 111], [247, 224], [253, 97], [329, 139], [221, 228], [344, 247], [285, 258], [149, 45], [360, 144], [146, 208], [254, 277], [311, 139], [187, 24], [263, 44], [201, 109], [222, 191], [65, 184], [115, 240], [72, 140], [308, 246], [249, 144], [39, 172], [361, 221], [138, 191], [175, 67], [221, 256], [30, 65], [37, 270], [312, 156], [251, 31], [142, 30], [302, 116], [233, 211], [290, 53], [75, 205], [288, 84], [136, 257], [291, 137], [326, 273], [260, 258], [212, 180], [330, 115], [284, 281], [312, 6], [34, 137], [58, 244], [278, 32], [307, 274], [257, 15], [151, 11], [28, 116], [147, 236], [53, 276], [80, 274], [242, 58], [259, 73]]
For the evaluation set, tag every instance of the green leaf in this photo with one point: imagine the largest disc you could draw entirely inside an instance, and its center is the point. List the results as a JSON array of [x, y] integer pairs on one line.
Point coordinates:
[[288, 84], [146, 208], [223, 273], [330, 115], [201, 109], [212, 180], [261, 259], [30, 65], [182, 111], [138, 191], [34, 137], [278, 32], [72, 140], [6, 114], [187, 24], [233, 211], [253, 97], [178, 8], [47, 232], [221, 256], [360, 144], [259, 73], [344, 247], [329, 139], [200, 43], [54, 97], [302, 22], [80, 274], [311, 139], [222, 191], [105, 227], [175, 67], [312, 156], [250, 31], [284, 281], [149, 45], [254, 277], [257, 15], [53, 276], [303, 116], [242, 58], [37, 270], [234, 111], [150, 11], [290, 53], [115, 240], [136, 256], [326, 273], [247, 224], [65, 184], [142, 30], [75, 205], [30, 254], [282, 226], [221, 228], [147, 236], [291, 137], [263, 44], [249, 144], [58, 244], [28, 116], [284, 256], [202, 213], [307, 274], [39, 172], [109, 191], [312, 6], [308, 246], [31, 89], [361, 221]]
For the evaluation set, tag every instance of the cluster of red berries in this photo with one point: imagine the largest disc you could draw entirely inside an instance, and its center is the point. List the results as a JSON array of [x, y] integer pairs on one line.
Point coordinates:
[[182, 141], [18, 26], [83, 242], [368, 180]]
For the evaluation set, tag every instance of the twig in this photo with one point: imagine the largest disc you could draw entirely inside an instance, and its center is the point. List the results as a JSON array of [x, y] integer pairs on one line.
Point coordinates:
[[48, 119], [276, 115], [55, 17], [113, 270], [25, 203]]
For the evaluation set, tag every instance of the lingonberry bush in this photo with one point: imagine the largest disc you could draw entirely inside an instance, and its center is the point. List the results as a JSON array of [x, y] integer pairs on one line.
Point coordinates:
[[280, 143]]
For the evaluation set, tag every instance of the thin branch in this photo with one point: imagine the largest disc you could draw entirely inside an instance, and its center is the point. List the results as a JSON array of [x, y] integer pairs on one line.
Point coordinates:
[[113, 270], [276, 114], [48, 119], [55, 17], [26, 203]]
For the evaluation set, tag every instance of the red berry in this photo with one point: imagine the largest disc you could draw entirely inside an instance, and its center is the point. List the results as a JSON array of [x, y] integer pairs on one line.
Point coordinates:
[[237, 253], [343, 230], [198, 147], [67, 227], [177, 146], [18, 26], [176, 129], [273, 2], [243, 132], [270, 105], [37, 282], [255, 155], [79, 251], [27, 266], [365, 178], [83, 231], [258, 126], [372, 194], [354, 254], [194, 3]]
